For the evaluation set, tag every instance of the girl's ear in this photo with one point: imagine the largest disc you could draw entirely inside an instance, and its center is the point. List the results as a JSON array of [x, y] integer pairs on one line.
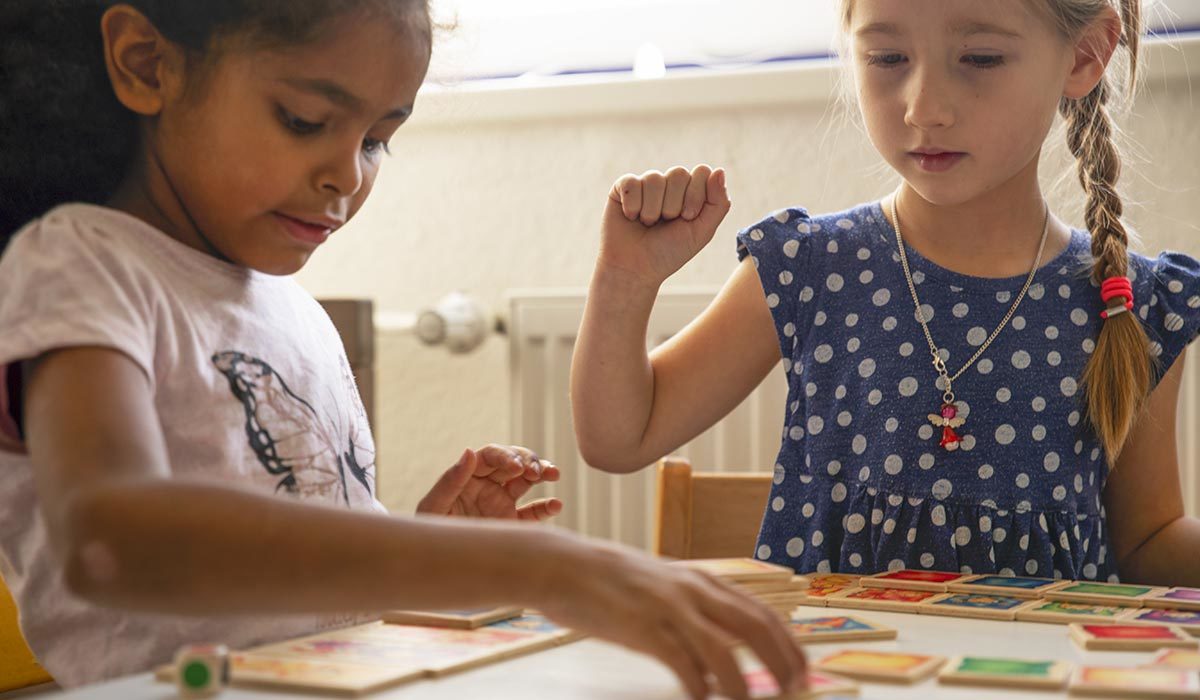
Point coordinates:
[[1092, 52], [142, 63]]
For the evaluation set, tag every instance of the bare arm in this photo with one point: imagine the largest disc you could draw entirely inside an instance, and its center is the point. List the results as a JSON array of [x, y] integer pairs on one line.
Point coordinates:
[[131, 537], [630, 407], [1154, 542]]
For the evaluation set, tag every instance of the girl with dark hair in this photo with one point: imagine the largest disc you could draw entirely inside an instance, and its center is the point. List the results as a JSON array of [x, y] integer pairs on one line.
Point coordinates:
[[185, 455]]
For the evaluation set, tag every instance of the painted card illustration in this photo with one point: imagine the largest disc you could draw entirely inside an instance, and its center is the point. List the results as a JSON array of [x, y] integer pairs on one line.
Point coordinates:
[[1184, 618], [1015, 582], [1177, 658], [1130, 681], [978, 601], [891, 595], [1062, 607], [912, 575], [977, 670], [880, 665], [840, 628]]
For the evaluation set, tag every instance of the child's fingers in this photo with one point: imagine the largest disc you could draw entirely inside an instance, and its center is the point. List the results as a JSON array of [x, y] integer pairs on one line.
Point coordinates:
[[677, 186], [654, 186], [670, 649], [716, 204], [449, 486], [716, 191], [697, 192], [540, 510], [762, 630], [715, 648], [501, 464], [627, 191], [549, 471]]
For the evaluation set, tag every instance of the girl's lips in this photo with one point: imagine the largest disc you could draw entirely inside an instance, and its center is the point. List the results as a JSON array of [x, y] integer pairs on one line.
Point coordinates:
[[937, 162], [304, 231]]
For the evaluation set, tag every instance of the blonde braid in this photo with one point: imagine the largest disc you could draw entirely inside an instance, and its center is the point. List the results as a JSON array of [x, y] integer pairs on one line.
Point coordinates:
[[1117, 376]]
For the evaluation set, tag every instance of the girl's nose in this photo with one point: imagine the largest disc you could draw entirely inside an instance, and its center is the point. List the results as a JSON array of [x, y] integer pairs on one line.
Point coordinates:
[[929, 103], [341, 173]]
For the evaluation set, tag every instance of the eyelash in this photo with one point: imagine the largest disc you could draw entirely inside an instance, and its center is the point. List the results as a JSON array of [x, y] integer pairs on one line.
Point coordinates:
[[301, 127], [988, 63]]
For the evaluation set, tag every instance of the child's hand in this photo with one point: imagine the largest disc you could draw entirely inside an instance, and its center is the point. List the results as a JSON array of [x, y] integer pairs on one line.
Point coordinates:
[[686, 619], [488, 483], [655, 222]]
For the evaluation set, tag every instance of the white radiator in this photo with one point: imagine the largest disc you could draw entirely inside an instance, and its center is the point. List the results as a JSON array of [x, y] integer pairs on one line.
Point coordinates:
[[542, 330]]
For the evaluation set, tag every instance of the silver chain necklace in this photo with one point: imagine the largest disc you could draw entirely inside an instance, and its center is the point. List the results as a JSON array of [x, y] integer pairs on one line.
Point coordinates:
[[947, 418]]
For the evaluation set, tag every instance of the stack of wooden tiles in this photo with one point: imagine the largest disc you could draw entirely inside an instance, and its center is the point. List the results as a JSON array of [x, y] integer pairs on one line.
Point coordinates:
[[777, 586]]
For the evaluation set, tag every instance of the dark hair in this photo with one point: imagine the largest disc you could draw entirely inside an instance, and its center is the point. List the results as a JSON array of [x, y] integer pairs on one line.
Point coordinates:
[[63, 135]]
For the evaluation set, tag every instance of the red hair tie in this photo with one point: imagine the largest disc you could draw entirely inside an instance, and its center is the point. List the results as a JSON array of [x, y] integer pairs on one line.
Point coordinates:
[[1113, 288]]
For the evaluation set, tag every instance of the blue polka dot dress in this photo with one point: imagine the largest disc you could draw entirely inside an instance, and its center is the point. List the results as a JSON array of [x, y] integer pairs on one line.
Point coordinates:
[[861, 482]]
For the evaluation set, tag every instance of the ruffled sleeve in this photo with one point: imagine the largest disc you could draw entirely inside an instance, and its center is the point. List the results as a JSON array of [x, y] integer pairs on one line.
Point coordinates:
[[1169, 306], [780, 246]]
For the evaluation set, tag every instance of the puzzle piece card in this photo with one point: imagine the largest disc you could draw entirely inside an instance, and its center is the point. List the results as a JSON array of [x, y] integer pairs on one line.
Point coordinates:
[[1131, 683], [1187, 620], [257, 671], [1011, 586], [837, 628], [821, 586], [1104, 593], [978, 605], [457, 619], [1131, 637], [762, 685], [913, 580], [1007, 673], [897, 599], [1175, 598], [885, 666], [1177, 658], [1064, 613]]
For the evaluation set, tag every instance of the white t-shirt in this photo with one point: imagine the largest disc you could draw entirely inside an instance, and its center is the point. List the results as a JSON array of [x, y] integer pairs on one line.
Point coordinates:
[[251, 384]]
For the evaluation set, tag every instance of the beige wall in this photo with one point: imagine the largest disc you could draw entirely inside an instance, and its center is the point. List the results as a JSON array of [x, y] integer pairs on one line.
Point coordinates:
[[494, 190]]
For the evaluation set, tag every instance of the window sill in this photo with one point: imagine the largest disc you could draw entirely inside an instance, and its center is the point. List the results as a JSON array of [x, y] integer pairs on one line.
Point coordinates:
[[800, 82]]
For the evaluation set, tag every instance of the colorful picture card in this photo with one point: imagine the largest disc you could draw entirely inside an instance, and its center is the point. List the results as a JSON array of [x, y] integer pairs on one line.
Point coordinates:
[[900, 599], [1177, 658], [978, 605], [1011, 586], [1188, 620], [1118, 637], [1008, 673], [896, 667], [913, 579], [837, 628], [1104, 593], [821, 586], [1175, 598], [1062, 612], [304, 675], [1129, 683]]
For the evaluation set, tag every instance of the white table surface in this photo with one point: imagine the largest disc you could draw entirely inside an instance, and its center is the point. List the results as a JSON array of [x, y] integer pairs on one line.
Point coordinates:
[[594, 670]]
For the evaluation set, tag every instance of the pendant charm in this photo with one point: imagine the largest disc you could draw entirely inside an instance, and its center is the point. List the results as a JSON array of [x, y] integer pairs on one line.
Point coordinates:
[[948, 420]]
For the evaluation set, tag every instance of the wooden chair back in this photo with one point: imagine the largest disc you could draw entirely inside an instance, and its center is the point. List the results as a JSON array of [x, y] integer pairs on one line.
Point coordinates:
[[703, 515]]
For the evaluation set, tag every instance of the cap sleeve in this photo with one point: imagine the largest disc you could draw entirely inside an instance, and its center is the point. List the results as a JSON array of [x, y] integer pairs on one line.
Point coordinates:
[[1170, 311], [780, 246], [63, 284]]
